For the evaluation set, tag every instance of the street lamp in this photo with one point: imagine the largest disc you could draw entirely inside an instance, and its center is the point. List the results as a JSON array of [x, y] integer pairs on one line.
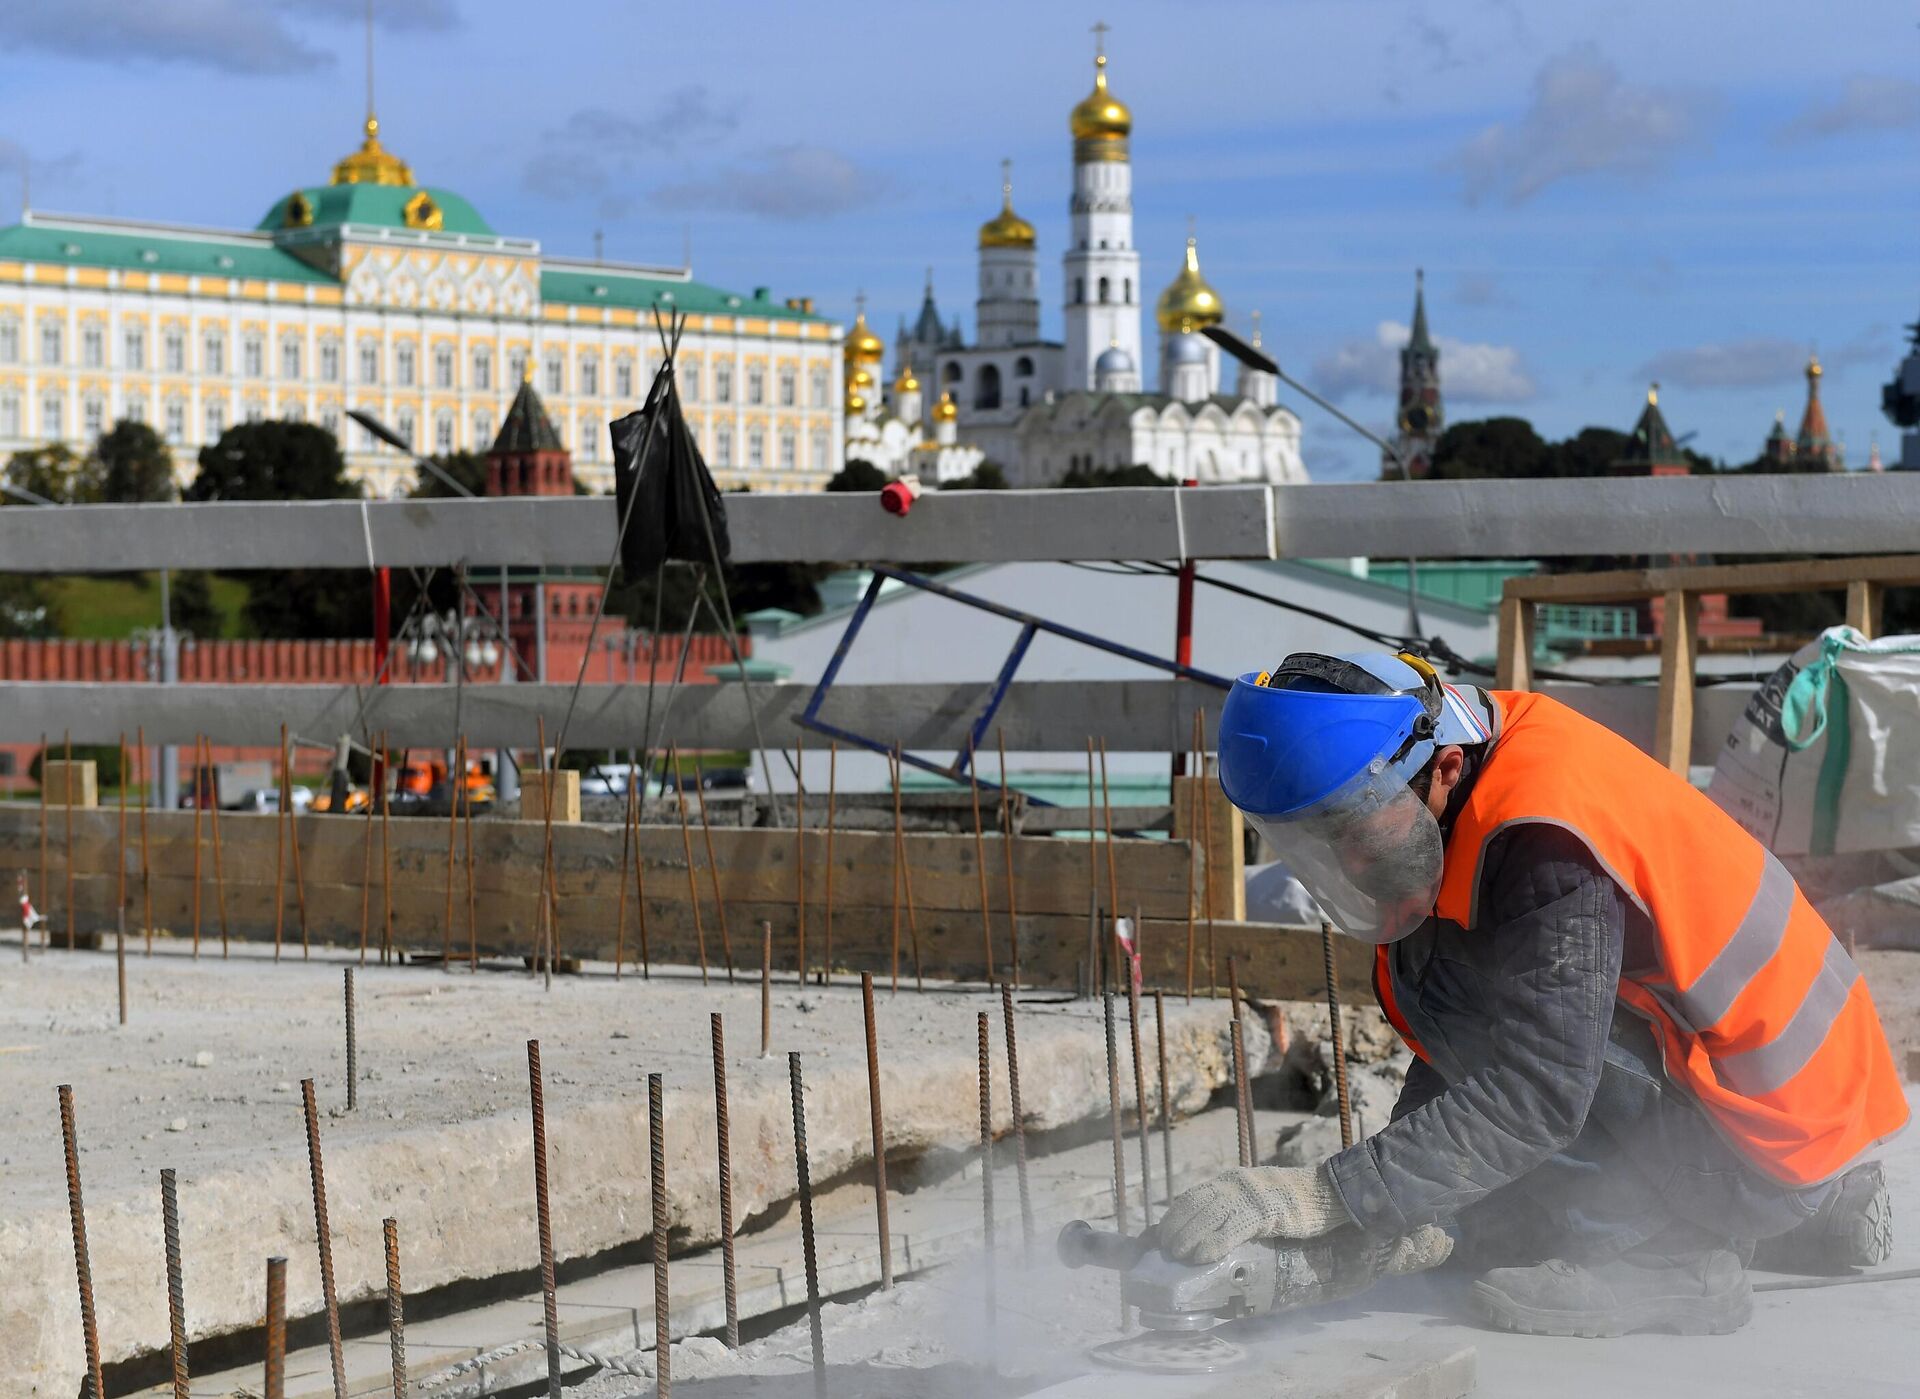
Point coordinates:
[[1256, 359]]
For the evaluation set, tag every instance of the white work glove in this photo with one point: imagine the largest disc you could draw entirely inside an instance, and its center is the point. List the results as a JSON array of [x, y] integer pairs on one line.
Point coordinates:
[[1205, 1223]]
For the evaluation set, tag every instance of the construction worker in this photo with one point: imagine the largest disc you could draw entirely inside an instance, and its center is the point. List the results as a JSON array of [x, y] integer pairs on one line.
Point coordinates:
[[1638, 1051]]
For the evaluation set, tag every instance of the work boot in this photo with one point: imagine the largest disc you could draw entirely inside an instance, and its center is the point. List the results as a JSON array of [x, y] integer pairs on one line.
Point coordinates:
[[1853, 1229], [1703, 1293]]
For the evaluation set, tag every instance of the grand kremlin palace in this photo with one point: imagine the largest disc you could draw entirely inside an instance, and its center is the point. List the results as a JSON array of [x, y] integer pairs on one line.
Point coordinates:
[[376, 293]]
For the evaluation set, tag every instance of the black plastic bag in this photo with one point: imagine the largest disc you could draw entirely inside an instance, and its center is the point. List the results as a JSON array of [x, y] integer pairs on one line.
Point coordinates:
[[665, 492]]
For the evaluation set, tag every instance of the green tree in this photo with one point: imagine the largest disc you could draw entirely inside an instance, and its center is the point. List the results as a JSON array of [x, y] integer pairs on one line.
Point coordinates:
[[468, 468], [53, 473], [289, 461], [1138, 474], [1498, 448], [190, 599], [131, 465], [858, 475], [985, 477], [105, 757]]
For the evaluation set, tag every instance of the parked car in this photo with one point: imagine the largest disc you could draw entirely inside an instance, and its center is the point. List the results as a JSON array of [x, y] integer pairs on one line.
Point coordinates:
[[267, 799]]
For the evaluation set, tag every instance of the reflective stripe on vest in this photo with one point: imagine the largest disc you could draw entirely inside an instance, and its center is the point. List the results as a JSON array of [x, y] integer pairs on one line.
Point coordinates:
[[1758, 1010]]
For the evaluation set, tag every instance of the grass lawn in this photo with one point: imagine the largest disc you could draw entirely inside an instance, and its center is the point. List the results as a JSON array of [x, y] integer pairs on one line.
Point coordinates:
[[113, 606]]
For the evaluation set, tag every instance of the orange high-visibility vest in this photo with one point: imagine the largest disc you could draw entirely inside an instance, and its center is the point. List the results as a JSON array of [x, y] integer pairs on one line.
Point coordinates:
[[1757, 1008]]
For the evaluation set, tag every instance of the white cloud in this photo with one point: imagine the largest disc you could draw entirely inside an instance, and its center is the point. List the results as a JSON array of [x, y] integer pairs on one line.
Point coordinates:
[[1584, 119], [1867, 103], [1758, 361], [597, 149], [1470, 372], [781, 182]]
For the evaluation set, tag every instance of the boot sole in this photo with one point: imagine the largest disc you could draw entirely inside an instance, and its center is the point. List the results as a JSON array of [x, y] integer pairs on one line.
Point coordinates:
[[1680, 1316]]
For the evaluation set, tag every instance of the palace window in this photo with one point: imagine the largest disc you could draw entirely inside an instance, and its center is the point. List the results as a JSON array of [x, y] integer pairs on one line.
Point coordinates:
[[1104, 291], [290, 358], [93, 417], [623, 378], [403, 364], [93, 346], [1079, 291], [723, 382], [756, 447], [789, 451], [135, 410], [173, 350], [556, 372], [589, 439], [443, 434], [482, 431], [788, 386], [330, 361], [690, 381], [9, 342], [369, 361], [49, 342], [483, 366], [1022, 367], [1126, 295], [516, 366], [253, 357], [819, 389], [294, 411], [443, 366], [817, 452], [176, 420], [136, 347], [255, 411], [213, 355], [590, 375], [723, 445], [756, 384], [404, 426], [10, 417], [216, 420], [330, 422], [50, 415]]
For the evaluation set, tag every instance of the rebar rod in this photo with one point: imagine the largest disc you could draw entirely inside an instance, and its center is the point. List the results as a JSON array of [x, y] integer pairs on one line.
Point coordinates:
[[550, 1307], [1206, 863], [686, 846], [1240, 1124], [70, 929], [800, 861], [316, 1170], [1113, 870], [1336, 1033], [626, 854], [724, 1151], [1019, 1122], [396, 1313], [82, 1263], [1141, 1118], [1006, 846], [1193, 825], [1113, 1116], [280, 853], [120, 888], [120, 956], [980, 860], [879, 1131], [983, 1025], [899, 858], [453, 848], [833, 792], [640, 874], [766, 988], [273, 1379], [1166, 1109], [46, 896], [657, 1189], [353, 1048], [219, 855], [805, 1183], [366, 867], [713, 867], [299, 874], [146, 867]]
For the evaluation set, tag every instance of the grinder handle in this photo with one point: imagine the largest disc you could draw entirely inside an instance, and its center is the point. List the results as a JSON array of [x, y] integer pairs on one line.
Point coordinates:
[[1080, 1245]]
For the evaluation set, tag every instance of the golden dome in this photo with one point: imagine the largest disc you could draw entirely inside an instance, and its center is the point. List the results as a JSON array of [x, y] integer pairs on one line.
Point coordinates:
[[862, 344], [1814, 371], [906, 383], [1189, 303], [861, 378], [1101, 123], [856, 404], [1006, 229], [946, 410], [372, 164]]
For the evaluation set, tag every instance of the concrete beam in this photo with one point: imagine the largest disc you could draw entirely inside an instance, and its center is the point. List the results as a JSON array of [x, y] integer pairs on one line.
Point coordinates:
[[1044, 716], [1854, 513], [950, 527]]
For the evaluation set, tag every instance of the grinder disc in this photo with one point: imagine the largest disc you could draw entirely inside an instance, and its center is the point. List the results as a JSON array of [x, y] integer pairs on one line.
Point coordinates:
[[1170, 1353]]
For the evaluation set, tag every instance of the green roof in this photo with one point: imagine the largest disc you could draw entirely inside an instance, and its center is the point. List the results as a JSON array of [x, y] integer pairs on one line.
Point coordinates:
[[160, 251], [609, 286], [378, 206]]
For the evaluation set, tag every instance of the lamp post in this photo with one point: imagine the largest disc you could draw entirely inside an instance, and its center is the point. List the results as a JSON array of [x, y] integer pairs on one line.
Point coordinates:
[[1256, 359]]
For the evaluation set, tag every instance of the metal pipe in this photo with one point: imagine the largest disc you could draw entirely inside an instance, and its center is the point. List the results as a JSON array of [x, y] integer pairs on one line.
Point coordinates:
[[724, 1151], [1335, 1033], [879, 1131], [317, 1171], [802, 1177], [1019, 1124], [82, 1265], [396, 1316], [657, 1183], [544, 1221]]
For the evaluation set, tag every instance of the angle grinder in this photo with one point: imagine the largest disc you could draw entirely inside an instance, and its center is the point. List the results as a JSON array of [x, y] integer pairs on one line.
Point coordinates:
[[1181, 1304]]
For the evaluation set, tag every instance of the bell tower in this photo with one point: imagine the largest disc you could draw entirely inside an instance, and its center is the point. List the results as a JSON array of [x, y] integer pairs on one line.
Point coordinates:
[[1102, 266]]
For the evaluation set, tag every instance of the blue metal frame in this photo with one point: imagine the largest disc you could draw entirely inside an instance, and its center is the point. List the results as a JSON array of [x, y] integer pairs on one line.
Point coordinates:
[[1030, 625]]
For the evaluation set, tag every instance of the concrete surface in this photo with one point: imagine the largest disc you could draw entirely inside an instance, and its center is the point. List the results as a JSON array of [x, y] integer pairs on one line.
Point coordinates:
[[205, 1079]]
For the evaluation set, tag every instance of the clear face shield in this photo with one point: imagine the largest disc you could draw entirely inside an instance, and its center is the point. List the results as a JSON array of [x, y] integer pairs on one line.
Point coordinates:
[[1370, 853]]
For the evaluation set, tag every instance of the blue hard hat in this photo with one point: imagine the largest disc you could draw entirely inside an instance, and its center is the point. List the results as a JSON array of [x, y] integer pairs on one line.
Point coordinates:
[[1286, 746]]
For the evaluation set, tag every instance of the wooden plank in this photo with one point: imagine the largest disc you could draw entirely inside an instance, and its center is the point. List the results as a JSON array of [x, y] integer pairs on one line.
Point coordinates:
[[77, 782], [1792, 575], [1679, 647], [1227, 850], [1513, 668], [1865, 600], [566, 797]]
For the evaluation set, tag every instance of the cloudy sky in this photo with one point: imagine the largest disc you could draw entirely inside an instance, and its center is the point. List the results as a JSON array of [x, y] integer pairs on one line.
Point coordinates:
[[1601, 193]]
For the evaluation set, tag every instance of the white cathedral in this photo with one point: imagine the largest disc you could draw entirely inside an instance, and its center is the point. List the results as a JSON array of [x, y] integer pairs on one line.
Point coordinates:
[[1041, 409]]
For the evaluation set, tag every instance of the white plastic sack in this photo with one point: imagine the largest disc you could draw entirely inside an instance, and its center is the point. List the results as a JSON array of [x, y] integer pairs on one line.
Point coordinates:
[[1826, 758]]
